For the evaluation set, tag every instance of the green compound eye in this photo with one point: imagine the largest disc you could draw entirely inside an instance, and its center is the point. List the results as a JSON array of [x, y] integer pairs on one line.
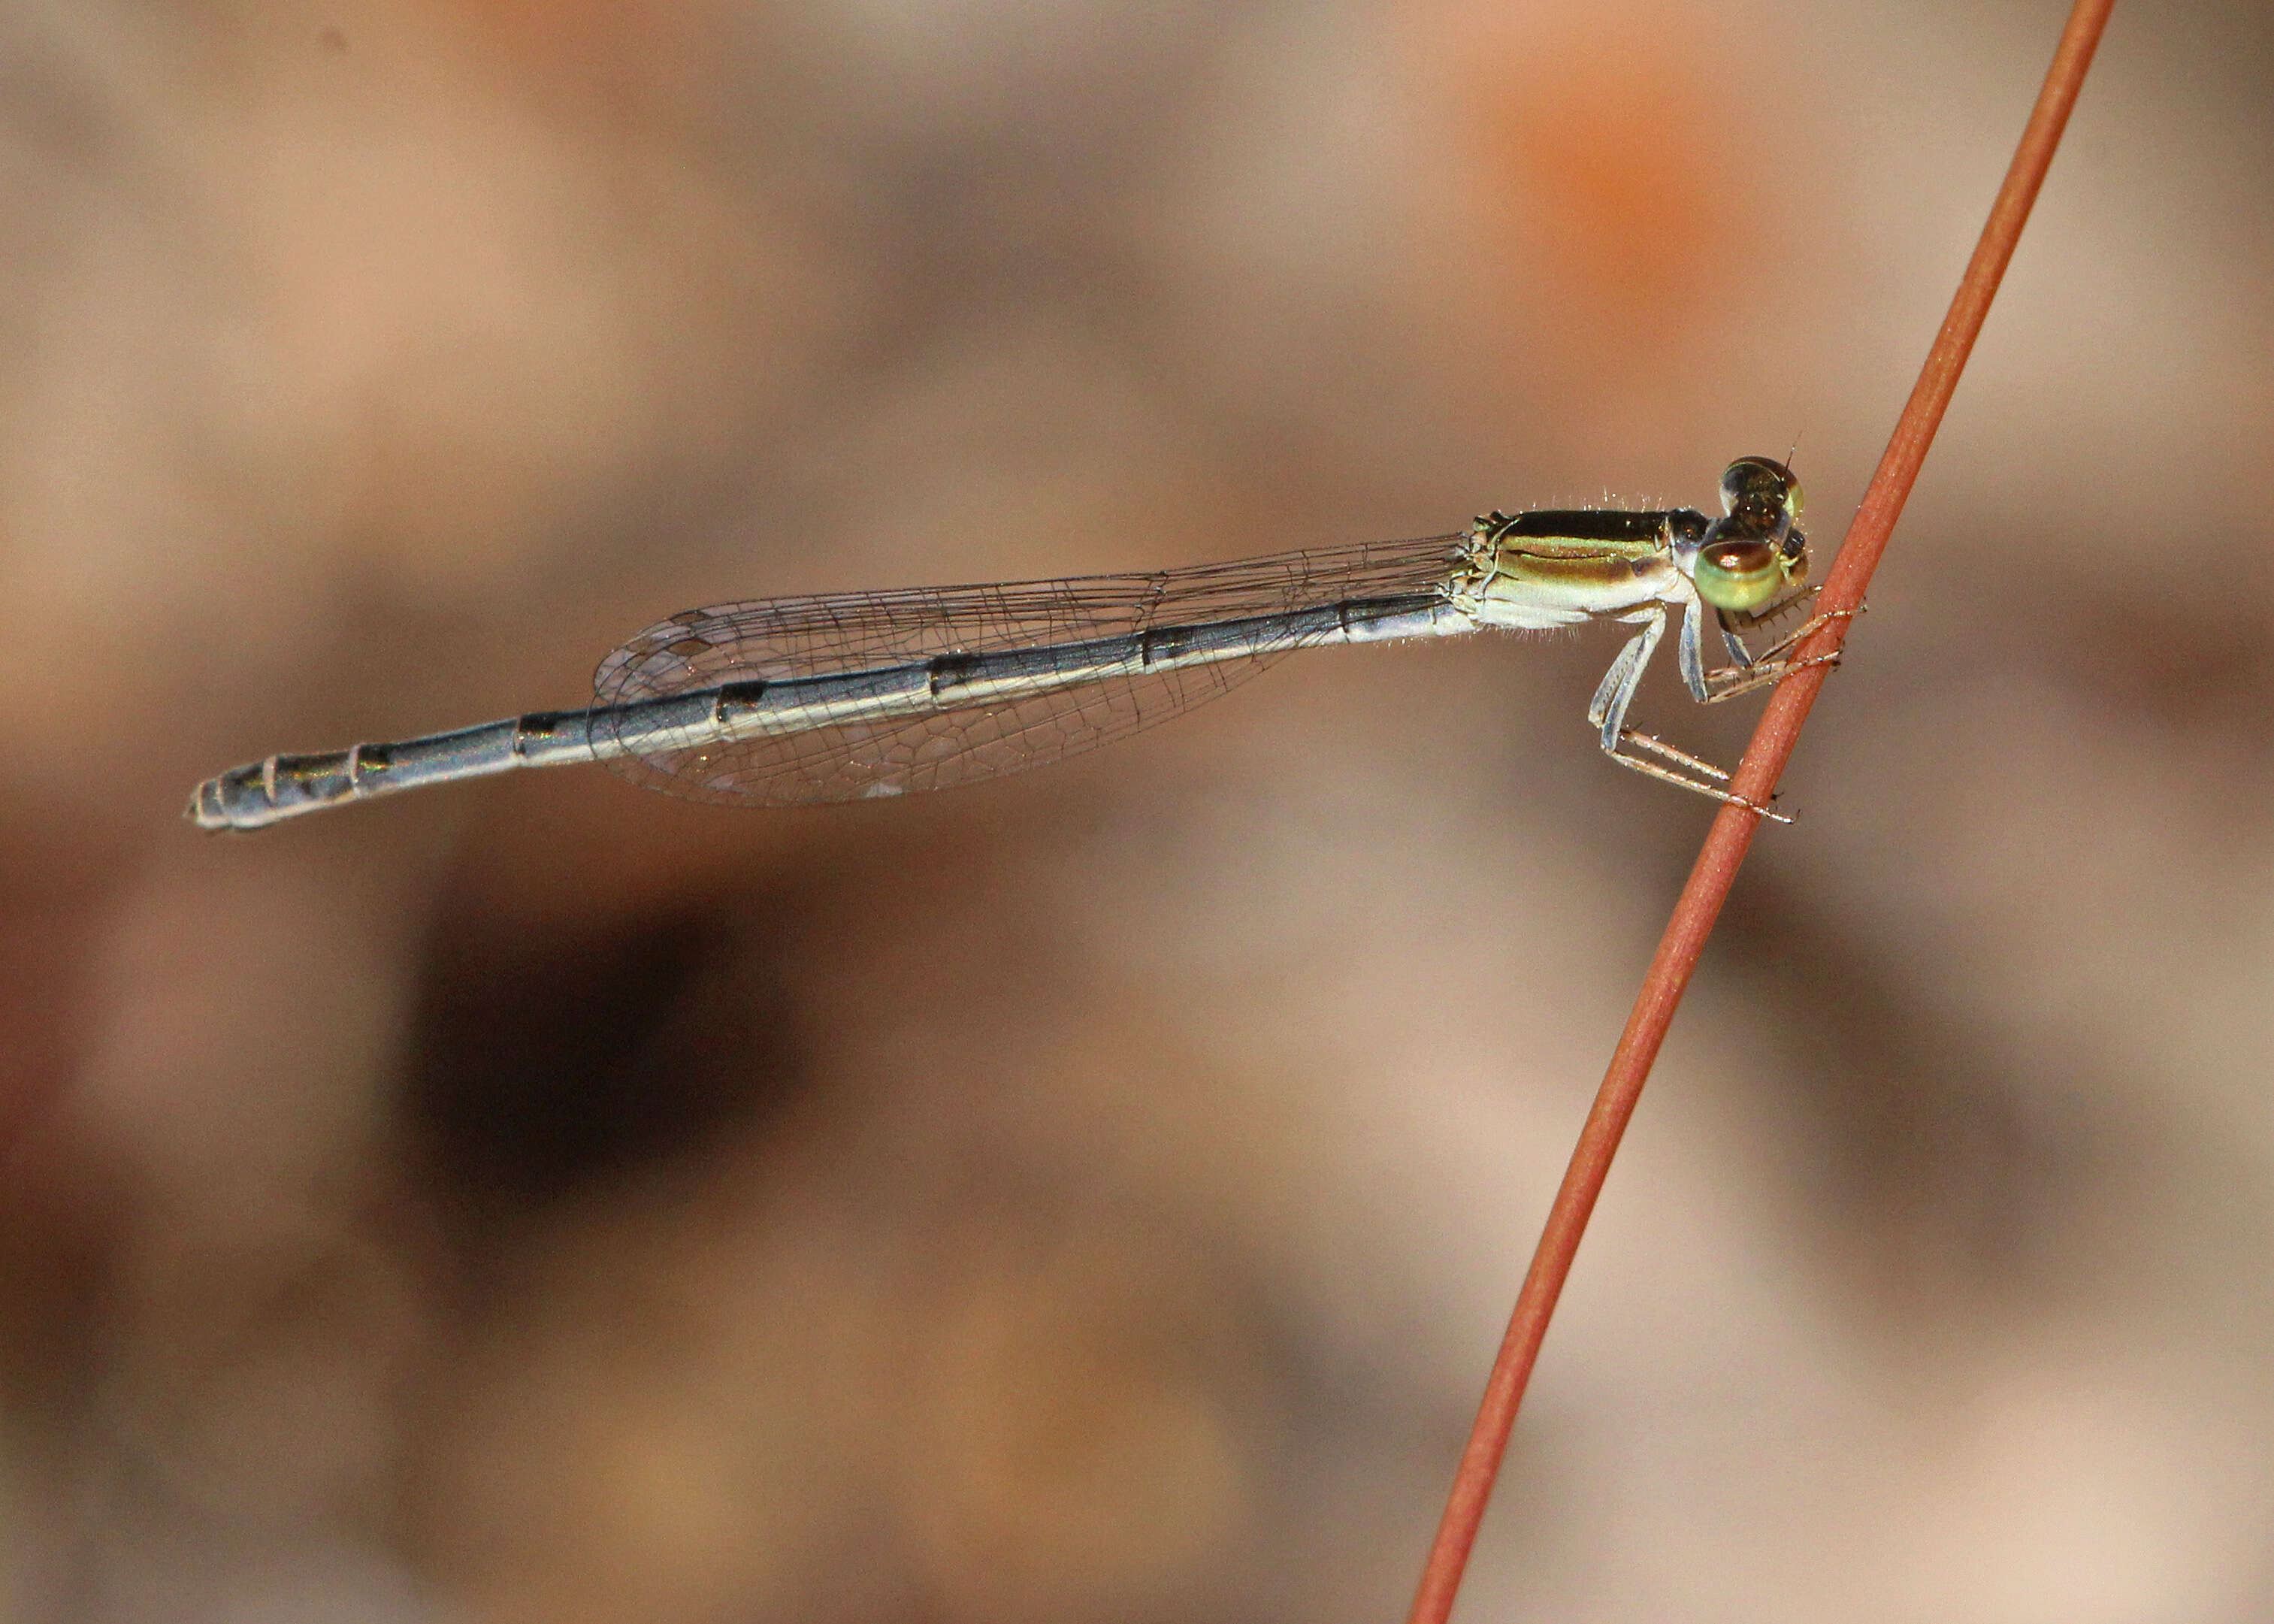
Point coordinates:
[[1740, 574]]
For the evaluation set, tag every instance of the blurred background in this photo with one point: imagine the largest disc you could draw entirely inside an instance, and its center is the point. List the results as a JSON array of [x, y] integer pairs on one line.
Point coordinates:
[[1096, 1195]]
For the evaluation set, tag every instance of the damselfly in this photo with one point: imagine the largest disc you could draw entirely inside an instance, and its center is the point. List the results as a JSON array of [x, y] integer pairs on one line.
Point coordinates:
[[850, 695]]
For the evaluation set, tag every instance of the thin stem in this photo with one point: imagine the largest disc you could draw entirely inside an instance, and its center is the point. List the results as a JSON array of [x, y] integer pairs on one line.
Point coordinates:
[[1732, 832]]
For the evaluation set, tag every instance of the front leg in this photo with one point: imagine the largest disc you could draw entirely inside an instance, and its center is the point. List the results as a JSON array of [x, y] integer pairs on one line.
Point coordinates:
[[1706, 687], [1608, 713], [1771, 666], [1690, 657]]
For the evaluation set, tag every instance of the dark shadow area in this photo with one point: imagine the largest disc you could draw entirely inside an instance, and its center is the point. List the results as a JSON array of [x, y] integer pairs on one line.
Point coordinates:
[[549, 1061]]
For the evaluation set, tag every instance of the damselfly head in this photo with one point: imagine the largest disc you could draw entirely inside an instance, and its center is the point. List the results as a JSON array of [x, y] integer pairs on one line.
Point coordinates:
[[1756, 557], [1762, 496]]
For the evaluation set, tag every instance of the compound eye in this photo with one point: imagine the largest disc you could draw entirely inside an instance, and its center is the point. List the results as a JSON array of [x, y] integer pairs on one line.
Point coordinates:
[[1739, 574], [1795, 499], [1759, 487]]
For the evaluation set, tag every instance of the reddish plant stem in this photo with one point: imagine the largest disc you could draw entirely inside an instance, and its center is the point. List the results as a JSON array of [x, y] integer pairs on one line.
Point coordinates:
[[1732, 832]]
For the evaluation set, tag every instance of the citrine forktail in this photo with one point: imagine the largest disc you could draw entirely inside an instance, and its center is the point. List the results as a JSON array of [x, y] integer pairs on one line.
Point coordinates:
[[856, 694]]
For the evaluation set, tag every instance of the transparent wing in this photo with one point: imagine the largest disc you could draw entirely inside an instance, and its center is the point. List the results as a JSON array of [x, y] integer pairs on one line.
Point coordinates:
[[787, 637]]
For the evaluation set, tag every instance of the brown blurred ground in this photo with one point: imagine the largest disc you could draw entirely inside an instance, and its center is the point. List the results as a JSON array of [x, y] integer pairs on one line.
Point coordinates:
[[1096, 1196]]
